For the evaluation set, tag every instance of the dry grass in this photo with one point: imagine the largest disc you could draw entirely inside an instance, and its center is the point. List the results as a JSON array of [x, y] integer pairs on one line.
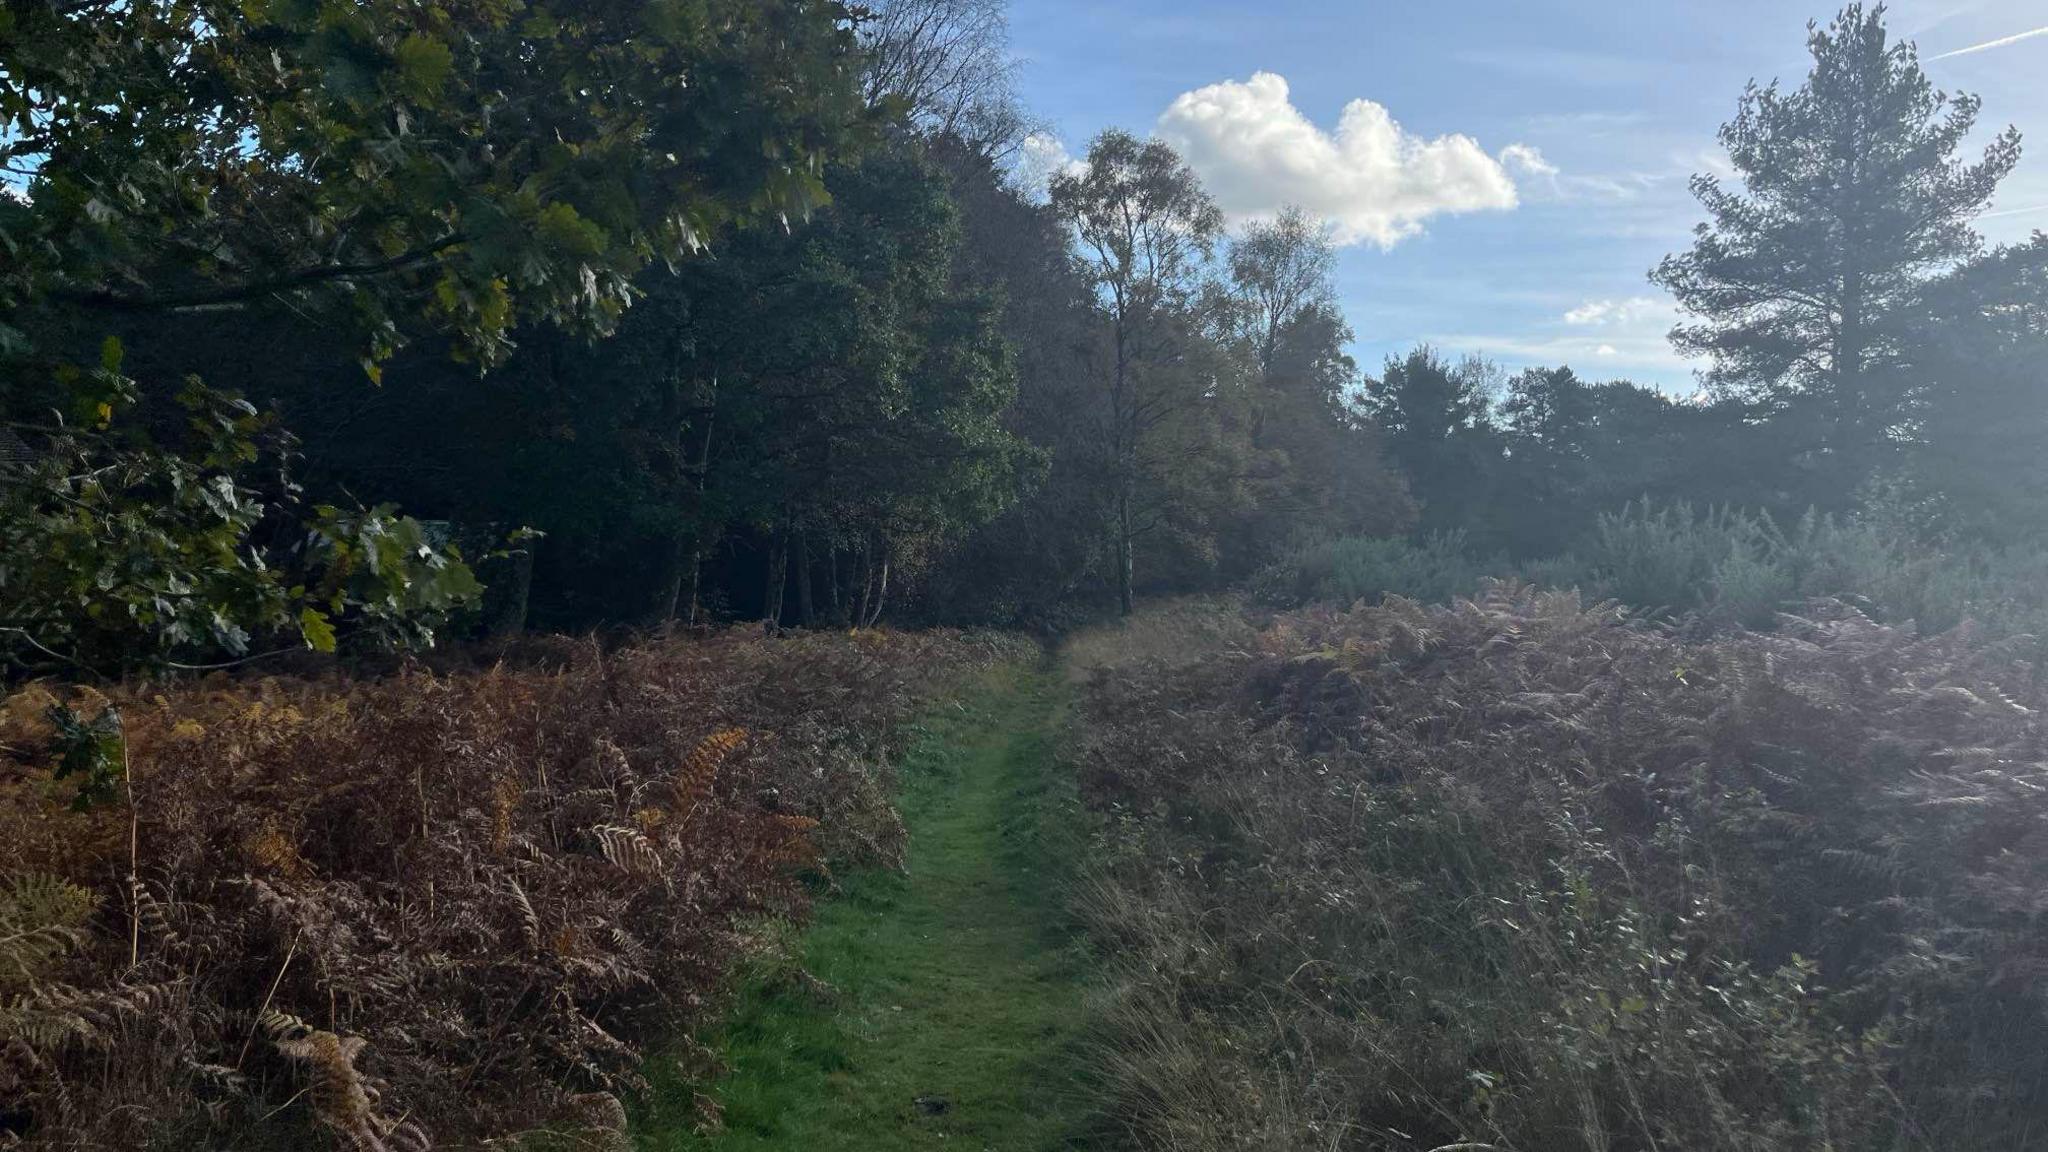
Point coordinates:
[[1172, 633], [1516, 873], [429, 908]]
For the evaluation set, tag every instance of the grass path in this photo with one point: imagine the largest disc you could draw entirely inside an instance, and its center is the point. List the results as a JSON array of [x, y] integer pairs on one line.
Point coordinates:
[[955, 1008]]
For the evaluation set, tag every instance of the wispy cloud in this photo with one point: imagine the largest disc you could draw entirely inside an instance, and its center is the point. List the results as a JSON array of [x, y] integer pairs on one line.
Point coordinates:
[[2001, 42], [1561, 66], [1658, 313], [1647, 357], [2004, 212], [1601, 337], [1523, 158]]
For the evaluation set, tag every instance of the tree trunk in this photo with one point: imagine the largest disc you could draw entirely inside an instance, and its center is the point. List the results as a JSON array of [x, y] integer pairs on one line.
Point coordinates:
[[1124, 449], [777, 583], [832, 583], [670, 605], [881, 590], [687, 555], [511, 620], [805, 610], [1853, 436], [867, 584], [1123, 554], [695, 578]]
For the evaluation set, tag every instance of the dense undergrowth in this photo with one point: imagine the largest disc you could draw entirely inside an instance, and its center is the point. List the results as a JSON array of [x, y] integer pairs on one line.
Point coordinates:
[[428, 908], [1720, 567], [1518, 873]]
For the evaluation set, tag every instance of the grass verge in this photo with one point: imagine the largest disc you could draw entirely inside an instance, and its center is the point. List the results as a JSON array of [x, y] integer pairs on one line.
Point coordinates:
[[947, 1006]]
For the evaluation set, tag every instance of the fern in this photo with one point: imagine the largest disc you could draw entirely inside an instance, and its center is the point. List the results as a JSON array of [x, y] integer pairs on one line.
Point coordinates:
[[41, 919], [343, 1101], [499, 886]]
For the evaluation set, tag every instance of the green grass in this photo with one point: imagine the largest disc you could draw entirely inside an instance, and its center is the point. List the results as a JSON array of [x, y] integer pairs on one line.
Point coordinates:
[[957, 983]]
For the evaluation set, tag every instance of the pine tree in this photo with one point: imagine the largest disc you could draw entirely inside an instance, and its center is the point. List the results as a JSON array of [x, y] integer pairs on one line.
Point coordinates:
[[1438, 422], [1851, 200]]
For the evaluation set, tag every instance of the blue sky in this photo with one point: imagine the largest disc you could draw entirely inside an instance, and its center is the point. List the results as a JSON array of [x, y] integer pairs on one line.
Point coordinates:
[[1529, 240]]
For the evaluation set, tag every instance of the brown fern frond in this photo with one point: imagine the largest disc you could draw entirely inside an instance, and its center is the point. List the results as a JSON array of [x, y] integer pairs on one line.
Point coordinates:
[[343, 1101], [628, 849], [695, 776]]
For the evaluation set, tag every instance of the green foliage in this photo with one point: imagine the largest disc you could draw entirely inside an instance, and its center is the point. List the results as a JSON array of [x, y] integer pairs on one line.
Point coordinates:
[[1978, 343], [827, 394], [91, 750], [1852, 198], [504, 162], [339, 178], [1355, 568], [1438, 422], [118, 553], [1721, 567], [1673, 559], [380, 572]]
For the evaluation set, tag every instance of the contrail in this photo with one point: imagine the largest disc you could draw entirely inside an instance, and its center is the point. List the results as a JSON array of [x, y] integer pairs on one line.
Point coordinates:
[[1988, 45]]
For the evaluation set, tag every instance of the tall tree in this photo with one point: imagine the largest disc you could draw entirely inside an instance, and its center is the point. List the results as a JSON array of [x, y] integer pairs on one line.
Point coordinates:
[[1280, 269], [1437, 418], [1548, 419], [1852, 198], [1146, 230], [473, 162], [948, 63], [1979, 380], [1046, 551], [1315, 465]]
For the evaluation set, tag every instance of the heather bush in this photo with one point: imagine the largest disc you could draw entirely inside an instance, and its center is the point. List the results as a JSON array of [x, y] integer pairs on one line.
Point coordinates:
[[1518, 873], [427, 908]]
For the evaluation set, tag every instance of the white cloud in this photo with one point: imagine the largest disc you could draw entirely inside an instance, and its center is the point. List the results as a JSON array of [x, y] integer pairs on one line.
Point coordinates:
[[1042, 157], [1624, 336], [1523, 158], [1370, 179], [1644, 356]]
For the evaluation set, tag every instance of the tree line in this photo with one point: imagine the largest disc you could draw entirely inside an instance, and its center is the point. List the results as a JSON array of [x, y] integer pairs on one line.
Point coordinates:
[[1864, 350], [321, 318]]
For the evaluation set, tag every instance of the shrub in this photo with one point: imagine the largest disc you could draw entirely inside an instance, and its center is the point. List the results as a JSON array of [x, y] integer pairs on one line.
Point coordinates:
[[1673, 559], [118, 554], [449, 904], [1719, 567], [1357, 568], [1515, 872]]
